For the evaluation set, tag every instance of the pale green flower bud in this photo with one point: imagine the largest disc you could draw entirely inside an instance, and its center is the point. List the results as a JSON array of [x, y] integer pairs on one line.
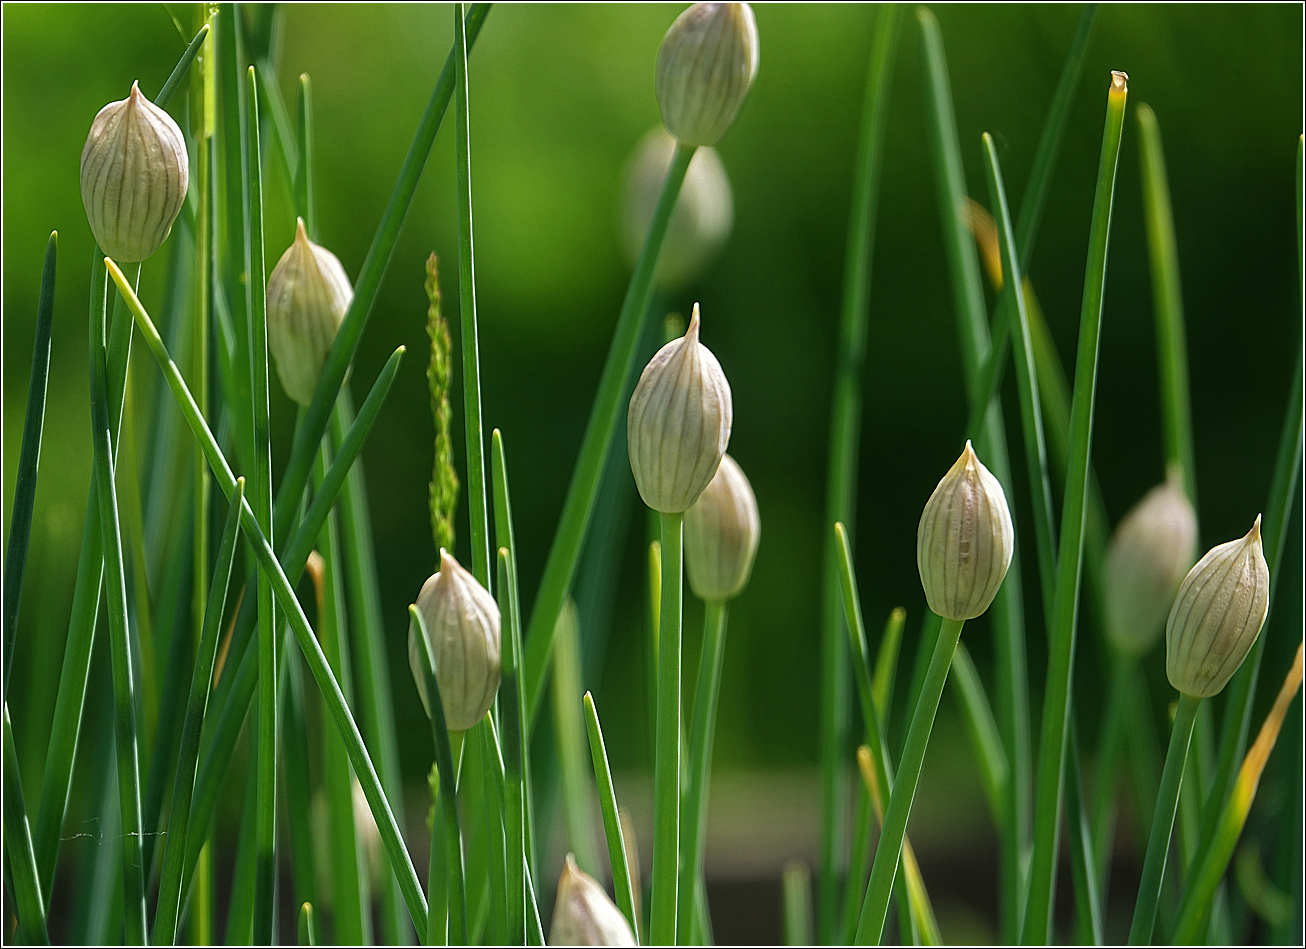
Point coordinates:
[[462, 622], [702, 218], [308, 294], [679, 423], [1149, 554], [965, 540], [706, 64], [134, 177], [721, 534], [1217, 615], [584, 915]]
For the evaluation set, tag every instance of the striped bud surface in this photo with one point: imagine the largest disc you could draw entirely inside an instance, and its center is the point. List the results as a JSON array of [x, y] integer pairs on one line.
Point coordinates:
[[1150, 552], [965, 540], [706, 64], [721, 534], [1217, 615], [308, 294], [135, 172], [583, 915], [679, 423], [462, 621]]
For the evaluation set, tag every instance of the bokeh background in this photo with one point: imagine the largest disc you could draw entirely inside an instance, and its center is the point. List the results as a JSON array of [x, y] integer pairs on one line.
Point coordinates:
[[560, 95]]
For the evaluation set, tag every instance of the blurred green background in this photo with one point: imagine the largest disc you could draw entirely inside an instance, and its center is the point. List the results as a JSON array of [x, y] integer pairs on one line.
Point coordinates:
[[560, 95]]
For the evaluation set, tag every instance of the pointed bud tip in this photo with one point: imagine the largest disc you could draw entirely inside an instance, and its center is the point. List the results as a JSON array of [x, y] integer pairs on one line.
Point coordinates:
[[1254, 535], [694, 325], [136, 95], [301, 233]]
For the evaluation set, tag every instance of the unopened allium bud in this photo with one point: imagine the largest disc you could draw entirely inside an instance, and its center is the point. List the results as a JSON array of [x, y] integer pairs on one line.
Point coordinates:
[[965, 540], [462, 621], [679, 423], [1149, 554], [706, 64], [308, 294], [134, 177], [1217, 615], [583, 915], [721, 534], [702, 217]]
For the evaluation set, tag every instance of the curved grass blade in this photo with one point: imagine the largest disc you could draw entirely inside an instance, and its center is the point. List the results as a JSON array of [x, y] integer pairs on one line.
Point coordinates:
[[168, 909], [617, 856], [285, 597], [886, 663], [178, 75], [20, 868], [841, 468], [29, 456], [1037, 927]]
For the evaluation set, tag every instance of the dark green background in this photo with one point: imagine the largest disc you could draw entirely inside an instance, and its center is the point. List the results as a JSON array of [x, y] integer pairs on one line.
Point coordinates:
[[559, 97]]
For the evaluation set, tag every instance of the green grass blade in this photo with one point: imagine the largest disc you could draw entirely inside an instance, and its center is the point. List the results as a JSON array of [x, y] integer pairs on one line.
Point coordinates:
[[617, 855], [1088, 906], [514, 815], [886, 663], [168, 909], [981, 728], [178, 75], [841, 468], [667, 748], [569, 742], [305, 175], [296, 804], [693, 822], [128, 764], [307, 925], [29, 456], [314, 422], [446, 829], [285, 596], [1168, 304], [20, 868], [1056, 710], [606, 414], [797, 887]]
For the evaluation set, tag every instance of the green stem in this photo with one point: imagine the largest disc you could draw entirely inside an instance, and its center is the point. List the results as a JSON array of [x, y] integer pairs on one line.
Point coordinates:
[[797, 904], [20, 868], [1158, 841], [167, 911], [702, 730], [307, 925], [617, 857], [609, 408], [888, 851], [510, 715], [1065, 604], [841, 469], [666, 765]]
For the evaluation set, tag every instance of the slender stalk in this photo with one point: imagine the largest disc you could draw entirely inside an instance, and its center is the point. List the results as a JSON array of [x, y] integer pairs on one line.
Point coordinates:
[[305, 183], [20, 867], [168, 909], [178, 75], [1158, 841], [514, 818], [888, 851], [307, 925], [797, 904], [1065, 605], [886, 664], [666, 765], [285, 597], [29, 457], [1088, 908], [446, 821], [471, 364], [617, 856], [607, 411], [128, 765], [841, 468], [702, 731]]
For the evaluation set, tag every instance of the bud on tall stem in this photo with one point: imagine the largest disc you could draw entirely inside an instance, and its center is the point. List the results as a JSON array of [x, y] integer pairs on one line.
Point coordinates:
[[706, 65]]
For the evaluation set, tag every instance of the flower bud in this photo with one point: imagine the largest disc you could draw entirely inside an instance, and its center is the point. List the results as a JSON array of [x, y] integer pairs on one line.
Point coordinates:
[[679, 423], [308, 294], [134, 177], [462, 622], [965, 540], [583, 915], [1217, 615], [706, 63], [702, 217], [721, 534], [1149, 554]]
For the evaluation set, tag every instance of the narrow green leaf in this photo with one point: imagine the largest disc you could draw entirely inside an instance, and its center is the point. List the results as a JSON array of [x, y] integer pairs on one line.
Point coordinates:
[[307, 925], [20, 867], [617, 856], [797, 888], [886, 663]]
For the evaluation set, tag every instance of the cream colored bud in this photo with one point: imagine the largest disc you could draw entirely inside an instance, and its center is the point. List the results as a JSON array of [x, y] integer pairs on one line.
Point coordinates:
[[583, 915], [702, 218], [308, 294], [1150, 552], [721, 534], [706, 64], [134, 177], [965, 540], [679, 423], [462, 622], [1217, 615]]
